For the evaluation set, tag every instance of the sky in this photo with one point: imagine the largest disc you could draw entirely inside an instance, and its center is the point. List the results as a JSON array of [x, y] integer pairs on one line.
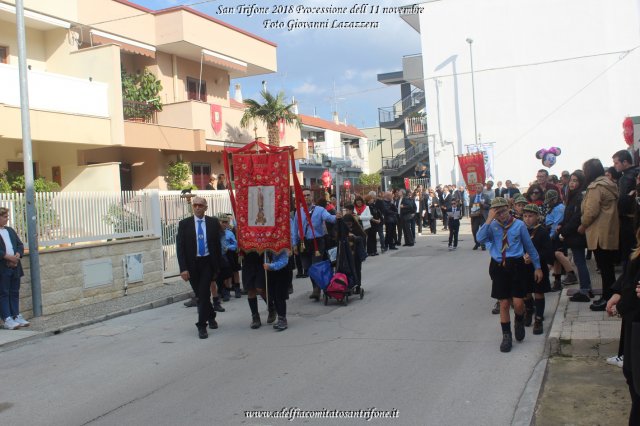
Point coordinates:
[[325, 69]]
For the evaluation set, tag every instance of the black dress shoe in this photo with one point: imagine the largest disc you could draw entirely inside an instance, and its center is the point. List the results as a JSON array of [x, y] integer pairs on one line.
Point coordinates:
[[580, 297], [475, 247], [299, 275], [599, 305], [191, 302], [202, 332], [213, 324], [393, 248], [484, 248]]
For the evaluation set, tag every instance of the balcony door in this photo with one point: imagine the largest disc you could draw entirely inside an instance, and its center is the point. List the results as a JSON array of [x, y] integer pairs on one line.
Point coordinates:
[[201, 173], [4, 55], [192, 89]]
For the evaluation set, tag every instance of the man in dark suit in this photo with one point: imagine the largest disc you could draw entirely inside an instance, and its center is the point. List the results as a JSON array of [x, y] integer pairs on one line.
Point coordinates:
[[407, 215], [198, 251]]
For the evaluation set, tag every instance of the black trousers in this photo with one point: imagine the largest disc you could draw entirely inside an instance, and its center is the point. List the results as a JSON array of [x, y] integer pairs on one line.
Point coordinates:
[[400, 230], [476, 223], [200, 280], [406, 229], [606, 259], [390, 235], [627, 369], [278, 287], [418, 221], [454, 229], [372, 234]]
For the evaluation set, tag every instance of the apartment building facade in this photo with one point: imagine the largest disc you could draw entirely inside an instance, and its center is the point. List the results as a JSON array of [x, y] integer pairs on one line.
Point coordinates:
[[84, 134]]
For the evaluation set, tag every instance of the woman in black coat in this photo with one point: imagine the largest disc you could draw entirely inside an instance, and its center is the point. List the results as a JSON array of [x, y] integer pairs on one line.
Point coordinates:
[[574, 240], [627, 304]]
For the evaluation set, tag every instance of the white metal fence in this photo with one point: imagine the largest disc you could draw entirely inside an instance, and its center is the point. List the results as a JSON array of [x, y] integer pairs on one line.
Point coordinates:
[[173, 209], [74, 217], [85, 217]]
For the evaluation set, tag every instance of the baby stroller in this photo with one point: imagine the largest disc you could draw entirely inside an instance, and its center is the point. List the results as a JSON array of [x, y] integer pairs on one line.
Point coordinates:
[[345, 269]]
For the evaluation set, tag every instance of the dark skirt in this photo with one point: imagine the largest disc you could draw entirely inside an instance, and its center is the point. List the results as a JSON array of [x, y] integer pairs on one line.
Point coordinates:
[[253, 275]]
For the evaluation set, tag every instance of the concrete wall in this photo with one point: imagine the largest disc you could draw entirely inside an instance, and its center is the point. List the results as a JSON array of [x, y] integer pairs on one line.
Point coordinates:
[[95, 177], [62, 276]]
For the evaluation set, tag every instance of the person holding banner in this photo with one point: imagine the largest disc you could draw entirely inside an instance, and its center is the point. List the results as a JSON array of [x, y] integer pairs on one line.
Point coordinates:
[[278, 279], [310, 231]]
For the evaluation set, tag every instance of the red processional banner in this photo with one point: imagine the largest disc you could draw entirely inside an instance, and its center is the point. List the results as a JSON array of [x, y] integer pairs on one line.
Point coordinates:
[[262, 199], [473, 172]]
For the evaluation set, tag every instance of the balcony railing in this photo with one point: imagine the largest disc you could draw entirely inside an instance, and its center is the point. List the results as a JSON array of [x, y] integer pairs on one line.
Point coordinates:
[[139, 111], [405, 157], [415, 126], [411, 103]]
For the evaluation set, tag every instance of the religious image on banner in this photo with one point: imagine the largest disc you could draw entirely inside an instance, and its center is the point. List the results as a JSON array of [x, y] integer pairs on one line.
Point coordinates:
[[262, 205]]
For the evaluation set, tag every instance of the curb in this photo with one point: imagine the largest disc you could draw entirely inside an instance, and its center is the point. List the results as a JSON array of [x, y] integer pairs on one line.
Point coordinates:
[[554, 341], [138, 308]]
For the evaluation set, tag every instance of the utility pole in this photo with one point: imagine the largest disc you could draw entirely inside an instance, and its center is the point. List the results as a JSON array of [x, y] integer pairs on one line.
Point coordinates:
[[473, 91], [32, 230]]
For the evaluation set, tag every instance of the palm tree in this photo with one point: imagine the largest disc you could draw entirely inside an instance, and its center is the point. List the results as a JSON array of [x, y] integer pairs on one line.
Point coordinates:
[[270, 113]]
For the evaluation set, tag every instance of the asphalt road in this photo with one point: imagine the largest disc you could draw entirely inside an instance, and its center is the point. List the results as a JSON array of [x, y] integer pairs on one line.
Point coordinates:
[[422, 342]]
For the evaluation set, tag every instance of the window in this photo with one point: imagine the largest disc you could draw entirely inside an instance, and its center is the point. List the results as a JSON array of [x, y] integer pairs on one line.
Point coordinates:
[[192, 89], [17, 167], [201, 173], [4, 55]]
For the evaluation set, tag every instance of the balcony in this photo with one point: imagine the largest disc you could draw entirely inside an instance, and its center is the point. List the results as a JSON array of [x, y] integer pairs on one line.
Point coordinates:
[[415, 127], [63, 109], [393, 117], [140, 112], [406, 160], [190, 34], [55, 92]]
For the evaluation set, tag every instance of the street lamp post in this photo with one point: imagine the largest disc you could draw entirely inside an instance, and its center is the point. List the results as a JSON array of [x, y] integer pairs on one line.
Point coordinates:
[[473, 91]]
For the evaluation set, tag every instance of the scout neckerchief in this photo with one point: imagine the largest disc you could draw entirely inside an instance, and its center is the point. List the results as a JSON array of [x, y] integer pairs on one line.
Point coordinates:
[[532, 231], [505, 240]]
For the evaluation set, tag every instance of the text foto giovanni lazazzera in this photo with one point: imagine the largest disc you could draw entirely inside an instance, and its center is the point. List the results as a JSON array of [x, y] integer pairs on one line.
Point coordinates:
[[305, 21]]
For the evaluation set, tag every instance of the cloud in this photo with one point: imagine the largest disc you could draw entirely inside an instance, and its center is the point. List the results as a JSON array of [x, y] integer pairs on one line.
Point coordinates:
[[307, 89]]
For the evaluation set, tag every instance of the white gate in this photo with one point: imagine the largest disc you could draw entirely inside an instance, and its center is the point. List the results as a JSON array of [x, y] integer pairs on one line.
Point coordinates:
[[173, 209]]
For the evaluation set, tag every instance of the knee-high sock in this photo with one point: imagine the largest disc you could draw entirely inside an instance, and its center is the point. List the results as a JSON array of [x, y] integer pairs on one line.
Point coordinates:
[[539, 308], [253, 304]]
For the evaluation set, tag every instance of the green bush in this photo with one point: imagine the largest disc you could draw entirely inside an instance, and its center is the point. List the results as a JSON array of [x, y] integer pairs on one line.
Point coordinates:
[[179, 176]]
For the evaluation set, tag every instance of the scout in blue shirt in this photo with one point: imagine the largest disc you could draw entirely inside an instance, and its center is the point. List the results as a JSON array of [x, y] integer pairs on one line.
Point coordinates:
[[552, 220], [319, 215], [509, 240]]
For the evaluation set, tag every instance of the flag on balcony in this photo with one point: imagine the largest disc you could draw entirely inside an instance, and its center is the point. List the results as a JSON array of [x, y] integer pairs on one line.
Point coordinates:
[[216, 118], [261, 203], [473, 171], [281, 127]]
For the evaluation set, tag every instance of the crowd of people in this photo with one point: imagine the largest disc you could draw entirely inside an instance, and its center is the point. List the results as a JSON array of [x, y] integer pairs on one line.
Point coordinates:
[[533, 238]]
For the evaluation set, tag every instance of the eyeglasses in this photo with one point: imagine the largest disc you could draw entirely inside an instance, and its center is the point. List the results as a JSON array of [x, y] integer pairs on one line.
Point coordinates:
[[199, 205], [536, 192], [307, 195]]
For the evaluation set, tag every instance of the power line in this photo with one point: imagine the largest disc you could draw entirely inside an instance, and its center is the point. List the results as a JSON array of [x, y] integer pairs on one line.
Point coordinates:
[[506, 67], [146, 13], [569, 99]]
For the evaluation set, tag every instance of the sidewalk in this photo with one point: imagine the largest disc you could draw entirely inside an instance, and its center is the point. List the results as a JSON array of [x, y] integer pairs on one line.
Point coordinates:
[[580, 388], [174, 290]]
